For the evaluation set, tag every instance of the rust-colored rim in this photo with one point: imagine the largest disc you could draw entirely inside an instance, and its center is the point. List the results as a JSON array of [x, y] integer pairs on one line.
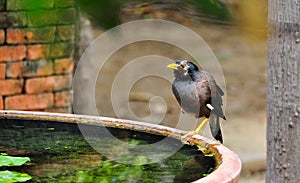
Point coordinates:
[[228, 164]]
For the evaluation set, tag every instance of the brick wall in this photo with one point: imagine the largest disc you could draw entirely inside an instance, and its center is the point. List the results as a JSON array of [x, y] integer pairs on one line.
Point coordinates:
[[36, 54]]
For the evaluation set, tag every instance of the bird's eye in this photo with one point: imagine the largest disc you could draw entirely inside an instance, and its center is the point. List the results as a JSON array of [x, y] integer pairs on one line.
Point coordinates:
[[183, 64]]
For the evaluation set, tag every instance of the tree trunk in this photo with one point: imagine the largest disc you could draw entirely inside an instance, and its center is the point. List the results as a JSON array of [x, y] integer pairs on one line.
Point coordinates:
[[283, 100]]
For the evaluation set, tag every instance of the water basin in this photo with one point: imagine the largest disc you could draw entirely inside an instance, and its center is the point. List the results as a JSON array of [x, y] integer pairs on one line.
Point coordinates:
[[76, 148]]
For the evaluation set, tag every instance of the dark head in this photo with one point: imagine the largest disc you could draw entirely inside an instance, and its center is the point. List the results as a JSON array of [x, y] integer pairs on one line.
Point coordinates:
[[184, 69]]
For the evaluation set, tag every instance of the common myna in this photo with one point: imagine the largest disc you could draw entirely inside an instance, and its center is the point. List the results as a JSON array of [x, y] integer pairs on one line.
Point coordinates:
[[198, 94]]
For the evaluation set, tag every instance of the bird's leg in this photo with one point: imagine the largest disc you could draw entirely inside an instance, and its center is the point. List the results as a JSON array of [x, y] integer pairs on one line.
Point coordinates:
[[185, 138], [202, 124]]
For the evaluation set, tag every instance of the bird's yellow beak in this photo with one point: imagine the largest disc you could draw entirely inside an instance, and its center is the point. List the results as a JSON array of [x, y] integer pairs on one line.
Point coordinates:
[[173, 66]]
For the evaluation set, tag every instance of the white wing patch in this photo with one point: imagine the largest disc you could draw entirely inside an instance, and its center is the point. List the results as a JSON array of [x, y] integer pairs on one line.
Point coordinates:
[[210, 106]]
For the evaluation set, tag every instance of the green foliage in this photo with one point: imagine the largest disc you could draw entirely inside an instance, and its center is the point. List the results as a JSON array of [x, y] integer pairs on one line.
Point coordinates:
[[60, 144], [104, 12], [7, 176], [214, 1], [12, 176], [111, 171], [12, 161], [211, 9]]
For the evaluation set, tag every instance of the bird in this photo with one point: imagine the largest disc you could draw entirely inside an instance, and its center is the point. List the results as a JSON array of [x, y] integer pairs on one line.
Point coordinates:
[[198, 94]]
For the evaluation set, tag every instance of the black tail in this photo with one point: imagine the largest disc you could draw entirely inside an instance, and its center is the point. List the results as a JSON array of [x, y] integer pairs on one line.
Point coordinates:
[[215, 128]]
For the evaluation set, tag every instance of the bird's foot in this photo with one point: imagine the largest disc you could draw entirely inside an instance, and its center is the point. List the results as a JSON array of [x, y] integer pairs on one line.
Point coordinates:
[[185, 139]]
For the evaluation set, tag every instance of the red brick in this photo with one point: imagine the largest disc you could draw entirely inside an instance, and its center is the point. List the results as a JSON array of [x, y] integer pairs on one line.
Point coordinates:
[[51, 83], [12, 53], [65, 32], [30, 35], [39, 68], [2, 71], [10, 87], [29, 69], [2, 37], [62, 99], [38, 51], [1, 103], [29, 102], [62, 49], [15, 69], [29, 4], [64, 3], [63, 66], [18, 36], [66, 15]]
